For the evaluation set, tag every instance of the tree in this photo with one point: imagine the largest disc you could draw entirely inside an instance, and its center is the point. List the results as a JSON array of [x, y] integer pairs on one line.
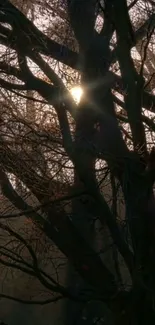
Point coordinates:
[[111, 127]]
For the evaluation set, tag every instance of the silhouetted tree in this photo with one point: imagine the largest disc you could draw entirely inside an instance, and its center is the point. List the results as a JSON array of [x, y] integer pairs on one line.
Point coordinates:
[[57, 157]]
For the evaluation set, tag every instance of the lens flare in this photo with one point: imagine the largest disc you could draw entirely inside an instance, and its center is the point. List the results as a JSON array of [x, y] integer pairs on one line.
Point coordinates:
[[77, 93]]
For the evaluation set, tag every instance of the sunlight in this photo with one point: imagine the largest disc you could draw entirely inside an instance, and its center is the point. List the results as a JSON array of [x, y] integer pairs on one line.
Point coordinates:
[[76, 93]]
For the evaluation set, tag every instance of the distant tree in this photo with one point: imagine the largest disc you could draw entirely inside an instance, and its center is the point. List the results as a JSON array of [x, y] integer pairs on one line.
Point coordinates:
[[63, 152]]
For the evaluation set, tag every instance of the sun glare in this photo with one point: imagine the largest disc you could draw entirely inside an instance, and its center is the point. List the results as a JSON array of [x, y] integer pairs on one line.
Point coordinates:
[[77, 93]]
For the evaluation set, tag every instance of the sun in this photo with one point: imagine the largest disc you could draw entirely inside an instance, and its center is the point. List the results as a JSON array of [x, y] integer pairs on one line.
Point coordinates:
[[76, 93]]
